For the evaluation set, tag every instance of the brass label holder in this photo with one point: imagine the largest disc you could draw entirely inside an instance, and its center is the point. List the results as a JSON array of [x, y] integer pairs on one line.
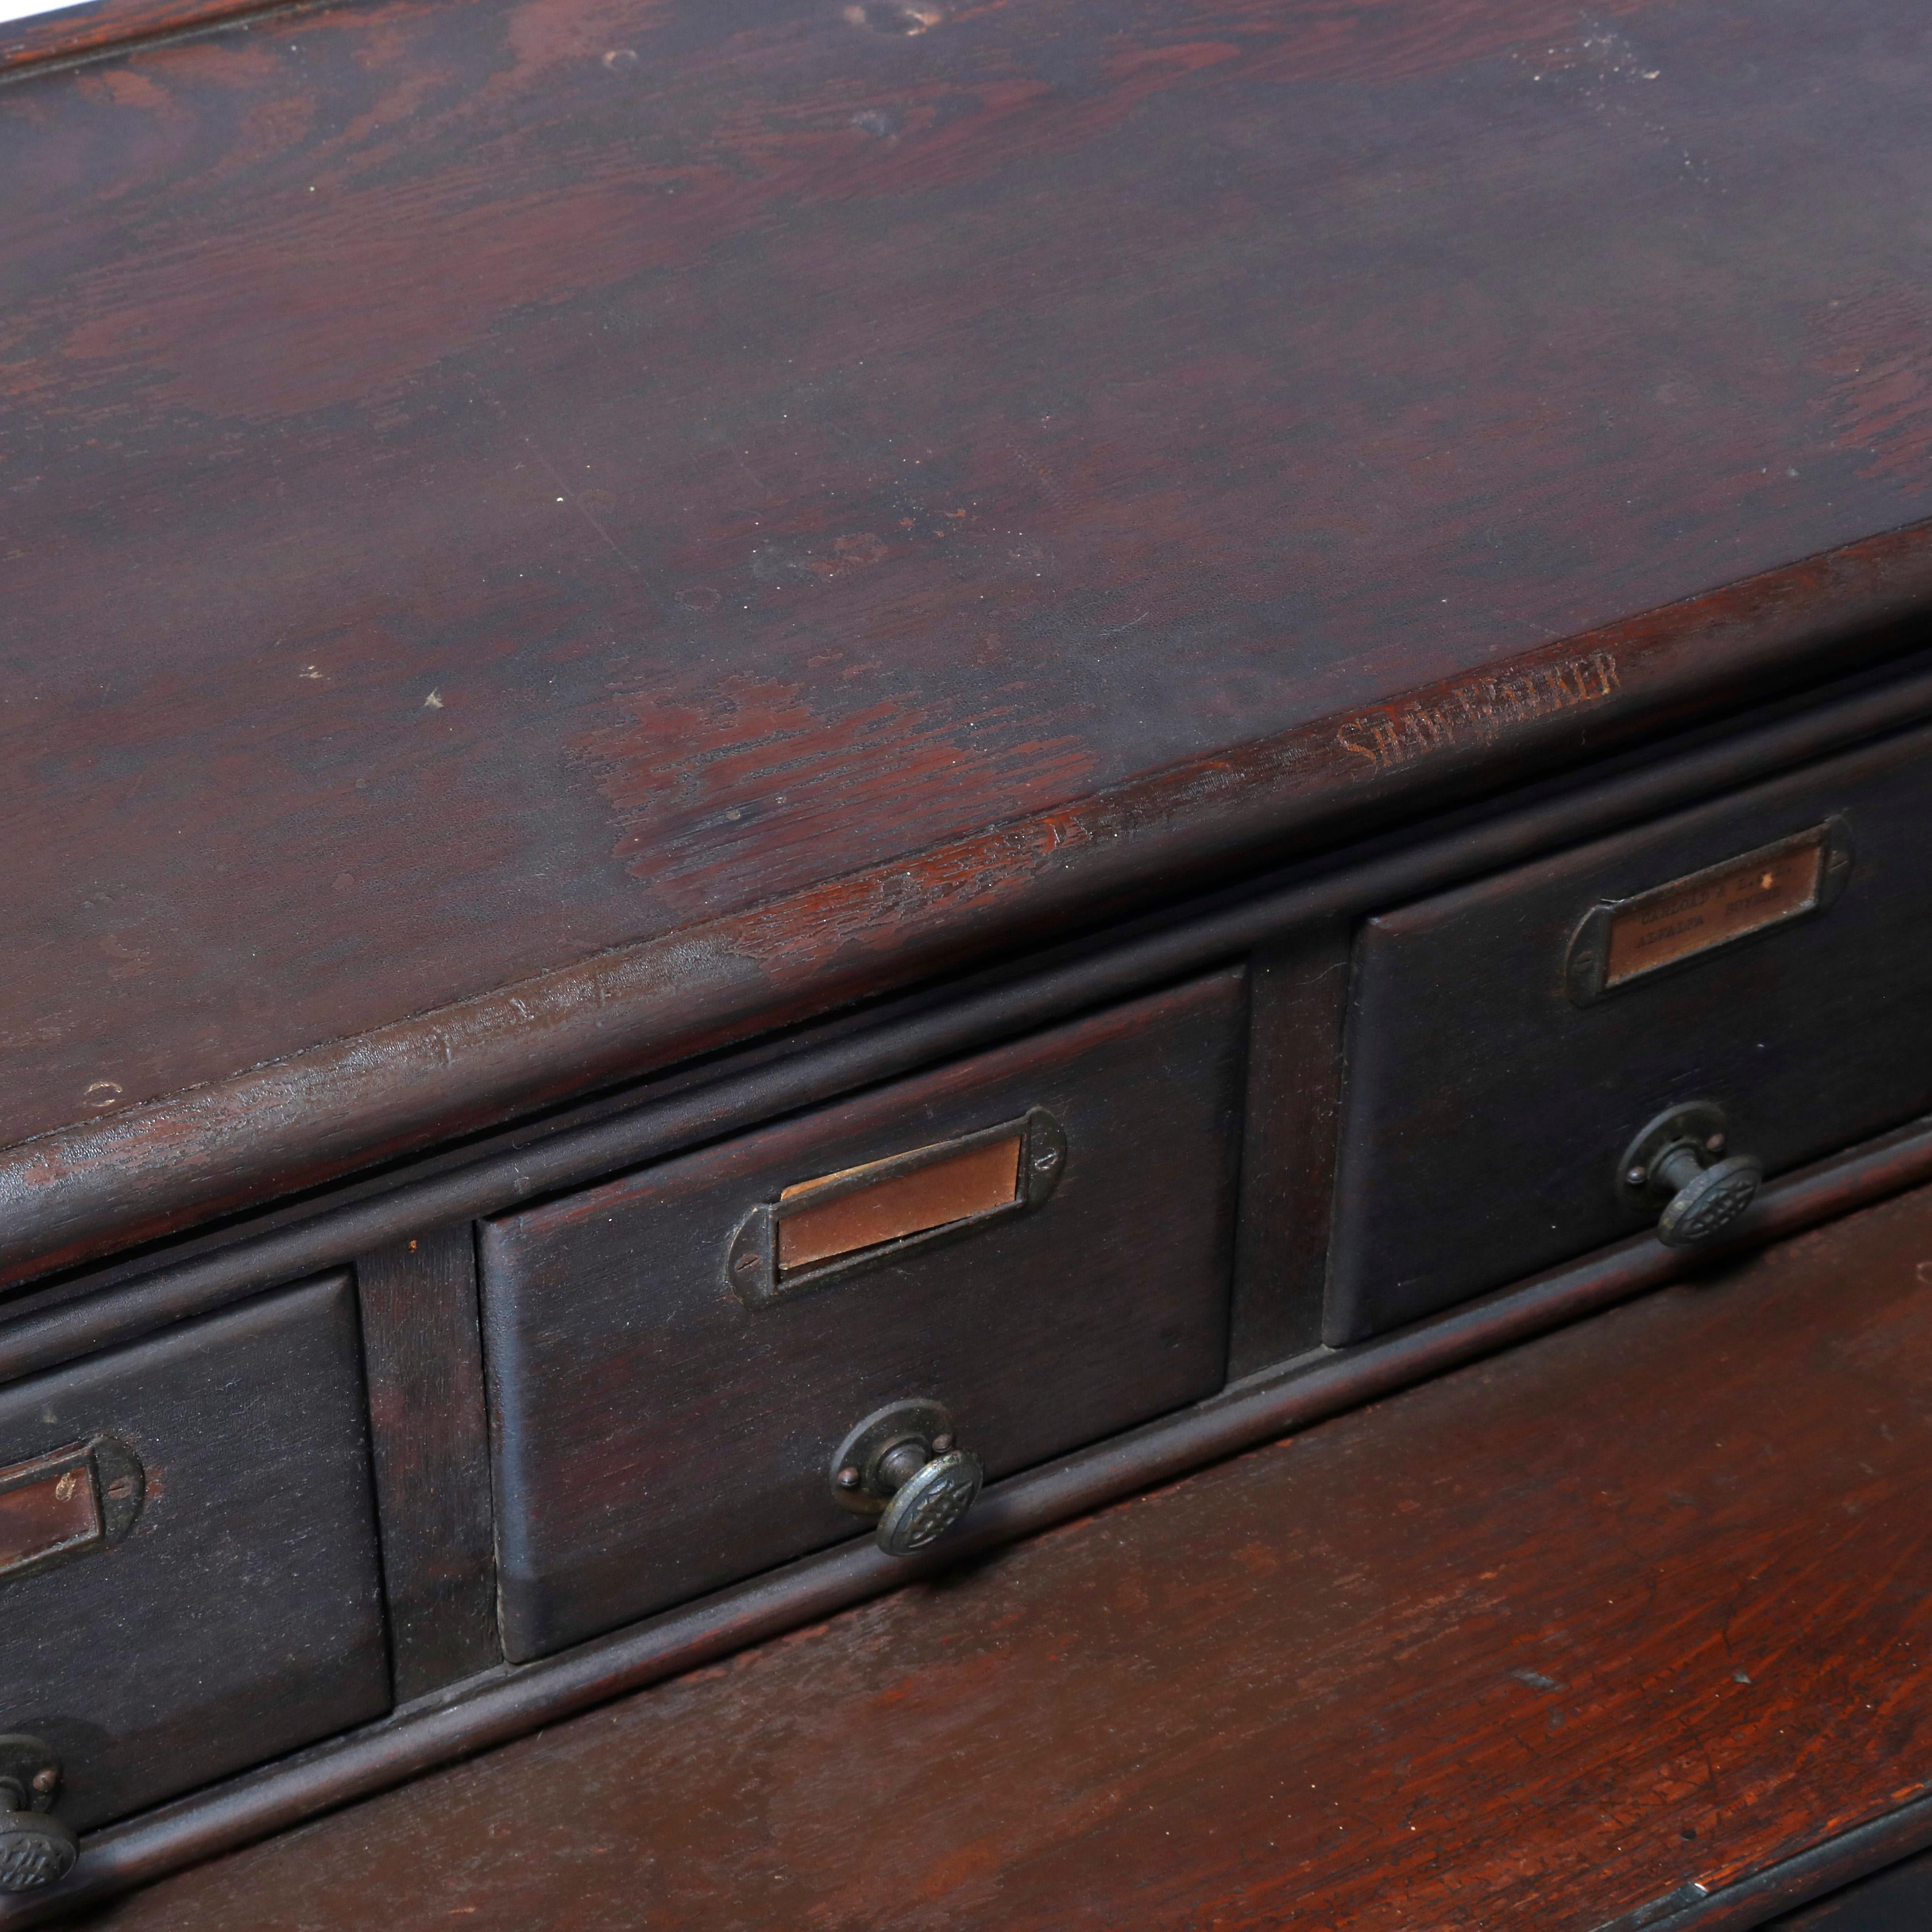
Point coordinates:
[[1623, 943], [68, 1503], [862, 1217]]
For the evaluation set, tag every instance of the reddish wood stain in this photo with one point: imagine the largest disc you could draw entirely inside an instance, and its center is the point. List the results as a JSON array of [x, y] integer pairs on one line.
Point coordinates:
[[457, 457]]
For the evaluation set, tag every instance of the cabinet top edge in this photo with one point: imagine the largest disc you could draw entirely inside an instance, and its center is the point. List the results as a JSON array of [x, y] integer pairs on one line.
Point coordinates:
[[76, 1194]]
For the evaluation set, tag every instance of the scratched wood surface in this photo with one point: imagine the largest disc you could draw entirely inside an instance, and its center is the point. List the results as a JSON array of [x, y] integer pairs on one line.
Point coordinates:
[[1644, 1603], [487, 484]]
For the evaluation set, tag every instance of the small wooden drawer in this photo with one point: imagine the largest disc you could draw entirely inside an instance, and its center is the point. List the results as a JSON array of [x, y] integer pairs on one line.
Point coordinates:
[[1038, 1238], [1769, 956], [188, 1574]]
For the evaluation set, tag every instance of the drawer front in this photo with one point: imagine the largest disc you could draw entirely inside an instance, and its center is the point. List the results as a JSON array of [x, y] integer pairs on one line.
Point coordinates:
[[659, 1433], [189, 1582], [1509, 1040]]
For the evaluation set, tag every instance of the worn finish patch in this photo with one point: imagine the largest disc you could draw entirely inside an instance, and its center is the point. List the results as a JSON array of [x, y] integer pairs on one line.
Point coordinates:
[[705, 788]]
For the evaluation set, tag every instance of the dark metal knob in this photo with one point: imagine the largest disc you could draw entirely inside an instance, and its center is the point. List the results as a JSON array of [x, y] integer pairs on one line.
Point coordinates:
[[929, 1503], [901, 1465], [35, 1847], [1679, 1159]]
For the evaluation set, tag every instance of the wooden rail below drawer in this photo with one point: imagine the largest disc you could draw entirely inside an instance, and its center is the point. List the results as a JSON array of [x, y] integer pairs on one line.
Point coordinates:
[[1588, 1634]]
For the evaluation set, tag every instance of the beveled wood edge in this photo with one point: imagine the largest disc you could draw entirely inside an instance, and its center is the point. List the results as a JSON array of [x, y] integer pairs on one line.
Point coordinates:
[[72, 1194], [111, 27], [1863, 1852], [79, 1314], [508, 1703]]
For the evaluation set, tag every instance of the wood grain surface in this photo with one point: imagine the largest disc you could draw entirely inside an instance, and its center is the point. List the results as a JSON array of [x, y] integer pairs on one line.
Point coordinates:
[[422, 1358], [92, 26], [490, 484], [1641, 1605]]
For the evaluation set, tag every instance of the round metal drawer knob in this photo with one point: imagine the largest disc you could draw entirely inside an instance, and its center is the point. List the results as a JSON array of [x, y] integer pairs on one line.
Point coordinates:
[[929, 1502], [1710, 1199], [902, 1466], [36, 1848], [1679, 1159]]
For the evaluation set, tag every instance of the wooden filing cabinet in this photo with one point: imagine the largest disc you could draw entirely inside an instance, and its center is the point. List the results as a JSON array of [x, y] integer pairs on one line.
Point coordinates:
[[793, 788]]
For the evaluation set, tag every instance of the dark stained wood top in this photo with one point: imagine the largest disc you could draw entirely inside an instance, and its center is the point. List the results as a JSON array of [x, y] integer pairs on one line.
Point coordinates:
[[62, 33], [692, 512], [1642, 1605]]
